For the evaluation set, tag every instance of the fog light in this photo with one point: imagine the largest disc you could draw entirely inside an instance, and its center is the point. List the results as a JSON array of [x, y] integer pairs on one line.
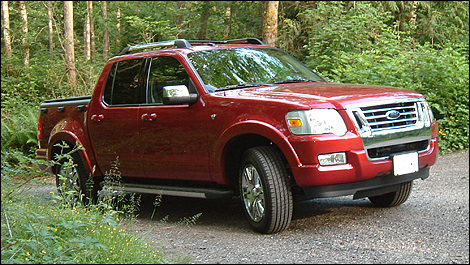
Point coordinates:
[[332, 159]]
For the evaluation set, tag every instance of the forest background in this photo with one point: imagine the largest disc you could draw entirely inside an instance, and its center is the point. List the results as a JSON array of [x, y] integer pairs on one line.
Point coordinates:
[[52, 50]]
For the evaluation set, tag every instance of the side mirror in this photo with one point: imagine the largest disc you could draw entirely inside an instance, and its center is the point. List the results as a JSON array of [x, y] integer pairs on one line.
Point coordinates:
[[178, 95]]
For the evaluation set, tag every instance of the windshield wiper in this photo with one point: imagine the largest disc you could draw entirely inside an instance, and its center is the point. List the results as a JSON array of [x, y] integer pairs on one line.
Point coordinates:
[[243, 85], [295, 81]]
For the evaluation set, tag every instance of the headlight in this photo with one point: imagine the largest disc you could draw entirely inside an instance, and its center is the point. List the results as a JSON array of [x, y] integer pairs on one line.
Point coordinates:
[[316, 121], [425, 113]]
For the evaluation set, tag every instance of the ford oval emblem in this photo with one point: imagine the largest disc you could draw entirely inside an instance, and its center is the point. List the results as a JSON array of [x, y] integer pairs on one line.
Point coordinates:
[[392, 114]]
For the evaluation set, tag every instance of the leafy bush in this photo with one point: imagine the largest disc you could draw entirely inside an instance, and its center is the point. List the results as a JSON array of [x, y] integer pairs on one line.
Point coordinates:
[[339, 30], [45, 78], [24, 88], [19, 130], [18, 164], [441, 75], [369, 52], [30, 84]]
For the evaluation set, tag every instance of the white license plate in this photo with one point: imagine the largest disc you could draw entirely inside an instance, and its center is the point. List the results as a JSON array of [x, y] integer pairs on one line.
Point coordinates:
[[405, 164]]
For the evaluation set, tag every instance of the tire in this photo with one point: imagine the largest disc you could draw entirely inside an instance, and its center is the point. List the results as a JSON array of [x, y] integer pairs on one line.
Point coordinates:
[[265, 191], [71, 181], [395, 198]]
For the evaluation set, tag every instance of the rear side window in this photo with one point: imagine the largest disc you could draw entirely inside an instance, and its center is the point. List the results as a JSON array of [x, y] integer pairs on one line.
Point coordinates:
[[123, 85]]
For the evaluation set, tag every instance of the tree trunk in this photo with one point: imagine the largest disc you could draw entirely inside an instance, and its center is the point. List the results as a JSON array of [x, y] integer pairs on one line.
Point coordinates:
[[6, 29], [270, 14], [229, 12], [24, 28], [180, 20], [51, 30], [86, 33], [413, 14], [92, 30], [118, 28], [104, 11], [69, 46], [204, 17]]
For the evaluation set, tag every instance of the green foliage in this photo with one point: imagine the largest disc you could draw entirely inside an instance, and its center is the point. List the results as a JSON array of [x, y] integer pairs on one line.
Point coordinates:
[[156, 203], [167, 20], [443, 22], [150, 30], [44, 79], [16, 163], [112, 196], [43, 231], [375, 42], [39, 228], [19, 130], [369, 51], [190, 220], [362, 28], [440, 75]]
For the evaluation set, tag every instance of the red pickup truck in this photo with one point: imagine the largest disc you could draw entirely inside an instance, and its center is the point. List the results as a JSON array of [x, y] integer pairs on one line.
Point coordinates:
[[237, 118]]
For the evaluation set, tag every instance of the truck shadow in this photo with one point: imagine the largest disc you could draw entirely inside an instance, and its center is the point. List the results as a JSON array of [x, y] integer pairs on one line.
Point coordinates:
[[229, 212], [208, 212]]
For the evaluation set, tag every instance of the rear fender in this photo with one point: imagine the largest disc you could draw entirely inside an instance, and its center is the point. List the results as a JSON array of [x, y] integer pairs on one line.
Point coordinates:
[[72, 132]]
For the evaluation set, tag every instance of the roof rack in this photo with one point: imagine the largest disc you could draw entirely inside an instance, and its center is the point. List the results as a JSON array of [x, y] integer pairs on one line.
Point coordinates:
[[182, 43], [235, 41]]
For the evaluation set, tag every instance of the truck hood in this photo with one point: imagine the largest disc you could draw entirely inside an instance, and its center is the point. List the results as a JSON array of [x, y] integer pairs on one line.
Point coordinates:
[[323, 95]]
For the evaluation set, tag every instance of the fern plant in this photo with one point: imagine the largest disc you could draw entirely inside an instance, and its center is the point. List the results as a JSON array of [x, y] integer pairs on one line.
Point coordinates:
[[19, 131]]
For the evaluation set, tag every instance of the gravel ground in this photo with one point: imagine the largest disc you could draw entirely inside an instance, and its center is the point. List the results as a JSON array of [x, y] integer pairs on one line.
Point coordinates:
[[432, 226]]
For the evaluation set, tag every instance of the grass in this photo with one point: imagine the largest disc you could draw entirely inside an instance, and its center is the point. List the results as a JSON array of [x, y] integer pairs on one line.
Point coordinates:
[[44, 229]]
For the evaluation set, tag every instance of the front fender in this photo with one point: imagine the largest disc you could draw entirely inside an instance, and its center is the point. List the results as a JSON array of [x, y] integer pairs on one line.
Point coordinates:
[[249, 127]]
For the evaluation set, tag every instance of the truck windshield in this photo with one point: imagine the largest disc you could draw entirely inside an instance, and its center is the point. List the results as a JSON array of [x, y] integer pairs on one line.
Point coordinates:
[[223, 69]]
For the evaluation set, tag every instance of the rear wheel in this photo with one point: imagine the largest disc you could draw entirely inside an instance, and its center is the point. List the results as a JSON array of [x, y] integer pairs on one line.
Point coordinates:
[[71, 181], [393, 198], [264, 190]]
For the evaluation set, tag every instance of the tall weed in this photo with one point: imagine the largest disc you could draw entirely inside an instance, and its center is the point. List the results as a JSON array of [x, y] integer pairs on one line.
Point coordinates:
[[40, 228]]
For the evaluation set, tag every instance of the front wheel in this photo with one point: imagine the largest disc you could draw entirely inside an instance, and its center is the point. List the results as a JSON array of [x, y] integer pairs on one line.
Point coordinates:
[[265, 191], [393, 198]]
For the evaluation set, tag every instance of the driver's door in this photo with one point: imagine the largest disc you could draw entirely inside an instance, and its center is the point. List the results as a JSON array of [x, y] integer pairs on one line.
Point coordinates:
[[173, 137]]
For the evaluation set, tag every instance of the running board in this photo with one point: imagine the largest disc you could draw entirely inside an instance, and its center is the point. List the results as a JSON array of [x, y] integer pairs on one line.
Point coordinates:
[[205, 193]]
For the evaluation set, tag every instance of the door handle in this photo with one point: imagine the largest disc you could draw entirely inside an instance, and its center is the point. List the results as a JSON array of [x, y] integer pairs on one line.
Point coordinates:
[[148, 117], [98, 117]]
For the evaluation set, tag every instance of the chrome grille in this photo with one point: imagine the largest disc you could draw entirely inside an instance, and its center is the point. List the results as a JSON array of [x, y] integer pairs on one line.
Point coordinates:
[[390, 127], [390, 116]]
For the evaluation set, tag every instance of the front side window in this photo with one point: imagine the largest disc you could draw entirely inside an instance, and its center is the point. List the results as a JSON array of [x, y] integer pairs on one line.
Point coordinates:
[[165, 71], [123, 84], [242, 67]]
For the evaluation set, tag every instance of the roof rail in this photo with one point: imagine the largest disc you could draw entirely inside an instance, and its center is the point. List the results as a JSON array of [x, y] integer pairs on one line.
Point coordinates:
[[235, 41], [182, 43]]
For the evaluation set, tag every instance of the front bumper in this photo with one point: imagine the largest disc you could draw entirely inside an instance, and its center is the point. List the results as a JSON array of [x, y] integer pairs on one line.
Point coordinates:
[[364, 188], [360, 173]]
